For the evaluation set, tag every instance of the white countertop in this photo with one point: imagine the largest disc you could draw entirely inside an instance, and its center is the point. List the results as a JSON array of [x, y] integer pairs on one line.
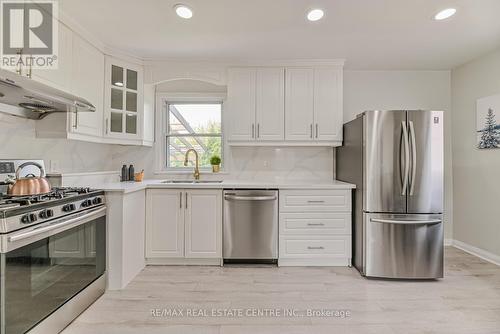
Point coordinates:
[[128, 187]]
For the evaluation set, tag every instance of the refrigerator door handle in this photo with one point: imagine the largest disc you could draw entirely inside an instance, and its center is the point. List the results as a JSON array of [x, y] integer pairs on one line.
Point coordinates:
[[406, 158], [413, 158], [406, 222]]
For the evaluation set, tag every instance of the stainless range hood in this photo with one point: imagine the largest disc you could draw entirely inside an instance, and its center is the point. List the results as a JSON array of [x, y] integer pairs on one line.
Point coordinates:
[[24, 97]]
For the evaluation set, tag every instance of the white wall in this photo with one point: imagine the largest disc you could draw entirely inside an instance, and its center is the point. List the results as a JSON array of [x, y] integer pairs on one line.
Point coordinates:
[[476, 173], [386, 90]]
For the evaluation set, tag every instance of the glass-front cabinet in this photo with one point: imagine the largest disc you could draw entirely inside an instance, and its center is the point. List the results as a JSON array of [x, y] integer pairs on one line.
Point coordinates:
[[123, 99]]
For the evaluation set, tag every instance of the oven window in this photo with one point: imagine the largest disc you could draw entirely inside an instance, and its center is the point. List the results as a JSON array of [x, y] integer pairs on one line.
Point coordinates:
[[43, 275]]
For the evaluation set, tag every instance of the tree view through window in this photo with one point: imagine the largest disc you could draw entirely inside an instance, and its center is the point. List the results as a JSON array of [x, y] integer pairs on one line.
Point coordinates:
[[193, 125]]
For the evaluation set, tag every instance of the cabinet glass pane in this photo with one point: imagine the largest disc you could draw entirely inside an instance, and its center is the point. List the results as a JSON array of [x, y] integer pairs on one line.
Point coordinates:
[[116, 122], [117, 76], [131, 79], [131, 101], [116, 99], [131, 126]]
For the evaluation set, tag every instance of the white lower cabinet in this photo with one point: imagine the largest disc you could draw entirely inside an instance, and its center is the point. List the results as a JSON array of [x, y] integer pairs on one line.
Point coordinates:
[[183, 226], [315, 228], [164, 223]]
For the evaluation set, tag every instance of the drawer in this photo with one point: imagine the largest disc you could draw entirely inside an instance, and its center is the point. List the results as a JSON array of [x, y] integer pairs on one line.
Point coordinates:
[[315, 200], [315, 246], [315, 223]]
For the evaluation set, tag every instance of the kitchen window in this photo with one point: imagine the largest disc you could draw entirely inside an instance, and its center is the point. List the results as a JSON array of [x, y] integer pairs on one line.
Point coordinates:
[[196, 125]]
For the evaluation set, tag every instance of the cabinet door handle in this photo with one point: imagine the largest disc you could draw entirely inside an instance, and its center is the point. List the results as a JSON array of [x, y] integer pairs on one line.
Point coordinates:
[[106, 125], [316, 130], [315, 201], [30, 69], [180, 199], [253, 130], [186, 200], [315, 224], [311, 128], [258, 130], [75, 125], [311, 248]]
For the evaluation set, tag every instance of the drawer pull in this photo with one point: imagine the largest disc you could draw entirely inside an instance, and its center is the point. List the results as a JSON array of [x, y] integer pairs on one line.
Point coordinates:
[[315, 201], [315, 224], [313, 248]]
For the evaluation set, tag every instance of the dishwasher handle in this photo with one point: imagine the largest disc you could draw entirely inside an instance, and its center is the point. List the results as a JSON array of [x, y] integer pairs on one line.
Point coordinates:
[[249, 198]]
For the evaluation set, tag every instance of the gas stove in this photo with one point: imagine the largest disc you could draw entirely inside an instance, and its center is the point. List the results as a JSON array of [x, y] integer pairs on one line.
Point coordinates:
[[21, 212]]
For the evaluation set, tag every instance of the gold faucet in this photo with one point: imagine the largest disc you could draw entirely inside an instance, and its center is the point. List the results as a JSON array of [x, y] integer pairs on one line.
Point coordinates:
[[196, 168]]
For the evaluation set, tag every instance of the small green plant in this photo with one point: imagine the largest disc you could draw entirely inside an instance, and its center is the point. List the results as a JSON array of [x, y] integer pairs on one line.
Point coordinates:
[[215, 160]]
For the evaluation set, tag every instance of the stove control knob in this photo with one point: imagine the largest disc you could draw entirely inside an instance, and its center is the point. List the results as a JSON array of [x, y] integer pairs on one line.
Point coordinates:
[[46, 214], [97, 200], [25, 219], [69, 207], [86, 203], [32, 217]]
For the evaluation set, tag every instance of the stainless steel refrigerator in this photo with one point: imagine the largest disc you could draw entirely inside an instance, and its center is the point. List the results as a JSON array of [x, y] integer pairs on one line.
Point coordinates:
[[395, 158]]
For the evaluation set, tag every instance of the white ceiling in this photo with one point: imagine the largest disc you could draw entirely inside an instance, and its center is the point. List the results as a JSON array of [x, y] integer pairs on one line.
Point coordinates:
[[369, 34]]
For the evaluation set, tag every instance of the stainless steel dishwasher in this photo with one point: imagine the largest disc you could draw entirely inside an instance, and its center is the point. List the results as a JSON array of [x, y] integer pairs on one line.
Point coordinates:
[[250, 226]]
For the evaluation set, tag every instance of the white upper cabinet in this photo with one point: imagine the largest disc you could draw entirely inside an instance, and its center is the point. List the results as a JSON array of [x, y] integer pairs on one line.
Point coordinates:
[[59, 78], [299, 101], [270, 104], [241, 104], [123, 100], [256, 104], [88, 83], [328, 106], [314, 111], [296, 106]]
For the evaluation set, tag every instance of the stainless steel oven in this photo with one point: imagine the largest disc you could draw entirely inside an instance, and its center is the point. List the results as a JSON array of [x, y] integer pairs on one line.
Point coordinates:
[[43, 268]]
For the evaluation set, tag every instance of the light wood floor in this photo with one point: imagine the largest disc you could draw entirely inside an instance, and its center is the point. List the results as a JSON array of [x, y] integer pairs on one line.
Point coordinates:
[[466, 301]]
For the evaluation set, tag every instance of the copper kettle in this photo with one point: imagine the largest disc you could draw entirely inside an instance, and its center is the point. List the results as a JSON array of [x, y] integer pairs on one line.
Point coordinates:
[[30, 184]]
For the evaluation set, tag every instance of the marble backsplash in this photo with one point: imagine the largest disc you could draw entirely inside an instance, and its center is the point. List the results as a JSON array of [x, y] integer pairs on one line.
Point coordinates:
[[18, 141], [247, 163]]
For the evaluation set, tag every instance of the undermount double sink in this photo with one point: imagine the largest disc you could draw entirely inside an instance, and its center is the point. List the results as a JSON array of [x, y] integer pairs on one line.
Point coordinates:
[[190, 181]]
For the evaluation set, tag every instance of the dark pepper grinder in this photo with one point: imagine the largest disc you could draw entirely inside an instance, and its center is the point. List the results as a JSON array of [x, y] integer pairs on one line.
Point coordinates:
[[131, 173], [125, 174]]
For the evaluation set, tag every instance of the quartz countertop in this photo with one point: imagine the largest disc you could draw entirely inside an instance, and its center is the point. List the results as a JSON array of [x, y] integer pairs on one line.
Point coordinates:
[[128, 187]]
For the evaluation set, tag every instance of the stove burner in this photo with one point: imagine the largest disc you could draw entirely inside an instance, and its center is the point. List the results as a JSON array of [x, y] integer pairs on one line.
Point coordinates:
[[8, 205], [56, 193]]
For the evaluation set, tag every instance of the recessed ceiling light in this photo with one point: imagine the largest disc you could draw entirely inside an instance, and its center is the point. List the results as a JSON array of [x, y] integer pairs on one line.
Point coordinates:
[[119, 84], [183, 11], [445, 13], [315, 14]]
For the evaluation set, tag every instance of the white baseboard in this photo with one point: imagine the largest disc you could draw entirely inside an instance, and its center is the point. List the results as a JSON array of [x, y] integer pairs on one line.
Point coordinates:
[[480, 253], [448, 242]]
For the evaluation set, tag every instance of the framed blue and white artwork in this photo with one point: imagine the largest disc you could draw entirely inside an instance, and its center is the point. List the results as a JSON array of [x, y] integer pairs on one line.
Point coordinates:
[[488, 122]]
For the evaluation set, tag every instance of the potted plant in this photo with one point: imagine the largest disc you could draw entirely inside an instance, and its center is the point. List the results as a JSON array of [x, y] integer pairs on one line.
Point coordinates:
[[215, 162]]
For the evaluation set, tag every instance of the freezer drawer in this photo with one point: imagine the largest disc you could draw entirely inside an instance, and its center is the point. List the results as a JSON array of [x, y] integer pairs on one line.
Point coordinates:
[[403, 246]]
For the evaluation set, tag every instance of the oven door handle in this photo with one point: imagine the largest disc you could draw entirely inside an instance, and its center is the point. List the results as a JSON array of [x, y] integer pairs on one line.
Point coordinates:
[[57, 226]]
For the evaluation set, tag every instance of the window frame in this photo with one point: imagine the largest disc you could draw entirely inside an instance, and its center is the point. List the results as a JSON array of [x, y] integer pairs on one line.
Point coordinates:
[[163, 102]]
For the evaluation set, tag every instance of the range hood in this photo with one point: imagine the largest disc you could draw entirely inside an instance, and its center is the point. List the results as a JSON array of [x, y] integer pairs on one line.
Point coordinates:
[[21, 96]]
